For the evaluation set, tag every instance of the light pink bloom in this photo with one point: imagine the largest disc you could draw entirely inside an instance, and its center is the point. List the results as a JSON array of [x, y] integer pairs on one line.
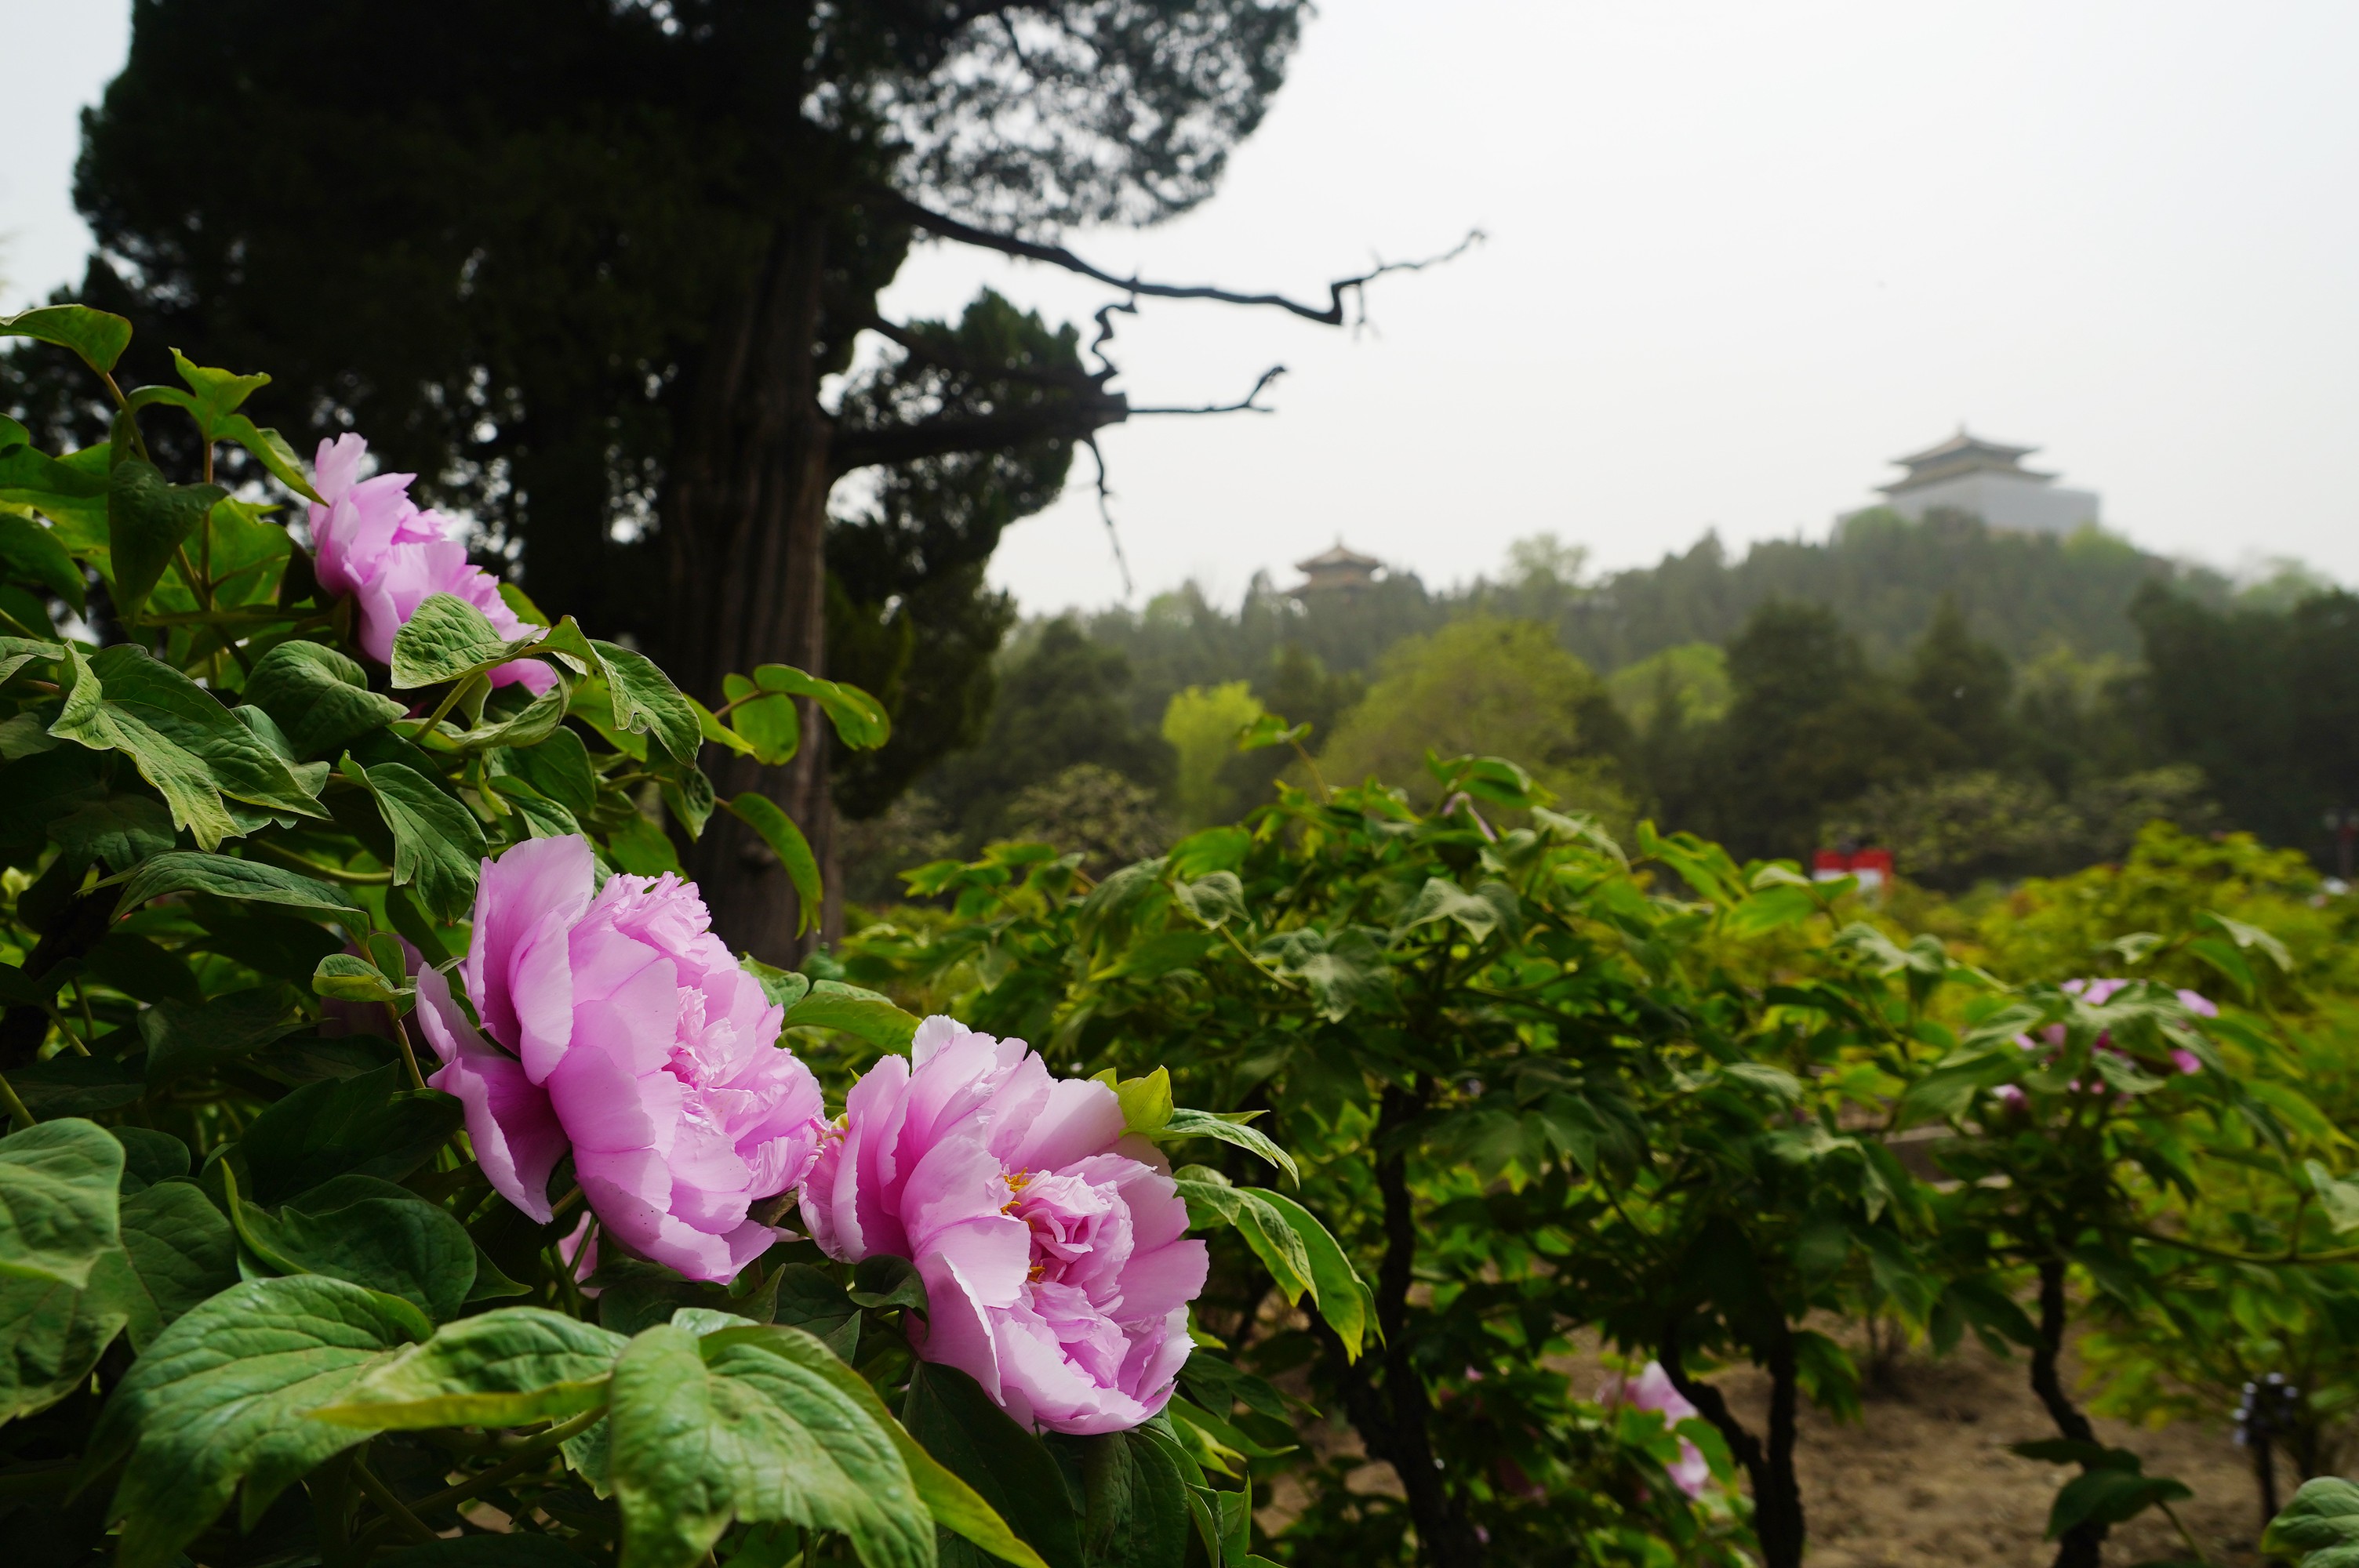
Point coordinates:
[[371, 541], [2096, 993], [1052, 1248], [1651, 1389], [621, 1031]]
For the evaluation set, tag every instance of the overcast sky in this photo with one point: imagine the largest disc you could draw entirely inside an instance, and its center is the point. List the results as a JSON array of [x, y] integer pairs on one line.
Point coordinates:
[[1740, 256]]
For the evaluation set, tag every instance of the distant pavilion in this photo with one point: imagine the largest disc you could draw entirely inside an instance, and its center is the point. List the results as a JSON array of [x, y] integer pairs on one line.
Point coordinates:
[[1966, 473], [1339, 571]]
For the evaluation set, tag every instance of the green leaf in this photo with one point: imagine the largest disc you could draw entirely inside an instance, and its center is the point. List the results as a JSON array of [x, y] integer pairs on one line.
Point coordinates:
[[784, 987], [831, 1004], [1185, 1123], [642, 697], [639, 847], [349, 978], [769, 727], [122, 830], [319, 699], [447, 639], [183, 740], [747, 1424], [1007, 1467], [1441, 899], [506, 1368], [1336, 1288], [1343, 971], [785, 840], [367, 1124], [524, 727], [176, 1251], [1138, 1506], [60, 1183], [185, 870], [270, 448], [1145, 1102], [1215, 899], [1768, 910], [2322, 1517], [2338, 1197], [372, 1233], [559, 766], [98, 336], [2109, 1497], [219, 1400], [16, 653], [179, 1251], [33, 554], [437, 846], [147, 519], [187, 1039], [861, 721], [219, 393], [1264, 1225]]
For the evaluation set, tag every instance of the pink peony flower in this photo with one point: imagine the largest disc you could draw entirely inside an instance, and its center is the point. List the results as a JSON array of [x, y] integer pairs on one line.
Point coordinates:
[[1052, 1248], [371, 541], [623, 1032], [1651, 1391], [2096, 993]]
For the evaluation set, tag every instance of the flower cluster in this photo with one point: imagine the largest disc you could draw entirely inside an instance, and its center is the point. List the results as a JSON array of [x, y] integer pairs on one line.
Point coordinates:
[[621, 1032], [1651, 1389], [1051, 1246], [2096, 993], [616, 1029], [373, 542]]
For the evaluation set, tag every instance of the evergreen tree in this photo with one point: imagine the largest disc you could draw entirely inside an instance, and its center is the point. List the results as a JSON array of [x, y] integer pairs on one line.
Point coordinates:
[[585, 264]]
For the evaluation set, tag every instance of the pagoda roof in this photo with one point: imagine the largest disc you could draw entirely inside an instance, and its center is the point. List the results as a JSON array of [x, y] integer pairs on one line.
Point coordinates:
[[1963, 453], [1341, 556]]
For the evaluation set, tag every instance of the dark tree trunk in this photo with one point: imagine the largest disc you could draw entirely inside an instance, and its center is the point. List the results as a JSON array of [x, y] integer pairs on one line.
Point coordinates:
[[745, 531], [1778, 1518], [2083, 1545], [1395, 1420]]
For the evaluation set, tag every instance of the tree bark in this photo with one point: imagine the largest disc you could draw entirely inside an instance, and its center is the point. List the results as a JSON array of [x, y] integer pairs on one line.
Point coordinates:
[[2083, 1545], [1395, 1420], [1777, 1520], [745, 534]]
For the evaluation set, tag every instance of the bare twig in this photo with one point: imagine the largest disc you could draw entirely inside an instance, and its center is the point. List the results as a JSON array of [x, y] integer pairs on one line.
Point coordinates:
[[1332, 315]]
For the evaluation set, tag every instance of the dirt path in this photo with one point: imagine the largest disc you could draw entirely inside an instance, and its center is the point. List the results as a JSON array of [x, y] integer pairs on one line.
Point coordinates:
[[1925, 1476]]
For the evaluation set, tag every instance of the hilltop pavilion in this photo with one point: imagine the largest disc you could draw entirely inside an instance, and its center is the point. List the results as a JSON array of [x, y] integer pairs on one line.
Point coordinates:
[[1966, 473]]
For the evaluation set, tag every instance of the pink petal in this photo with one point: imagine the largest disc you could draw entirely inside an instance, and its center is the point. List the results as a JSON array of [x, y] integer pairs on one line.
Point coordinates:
[[534, 881], [518, 1139]]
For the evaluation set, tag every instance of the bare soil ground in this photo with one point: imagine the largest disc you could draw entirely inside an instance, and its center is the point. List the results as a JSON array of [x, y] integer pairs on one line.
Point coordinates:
[[1925, 1478]]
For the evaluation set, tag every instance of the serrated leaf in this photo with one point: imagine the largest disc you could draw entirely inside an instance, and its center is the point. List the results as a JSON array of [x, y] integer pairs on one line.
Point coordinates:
[[219, 1402], [437, 846], [182, 739], [504, 1368], [747, 1424], [59, 1184]]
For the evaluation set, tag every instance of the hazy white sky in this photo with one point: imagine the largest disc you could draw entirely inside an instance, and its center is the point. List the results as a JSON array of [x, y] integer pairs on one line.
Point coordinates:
[[1740, 256]]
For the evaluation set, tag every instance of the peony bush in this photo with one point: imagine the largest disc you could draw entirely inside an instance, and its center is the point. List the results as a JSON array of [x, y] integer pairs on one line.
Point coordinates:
[[400, 1166]]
